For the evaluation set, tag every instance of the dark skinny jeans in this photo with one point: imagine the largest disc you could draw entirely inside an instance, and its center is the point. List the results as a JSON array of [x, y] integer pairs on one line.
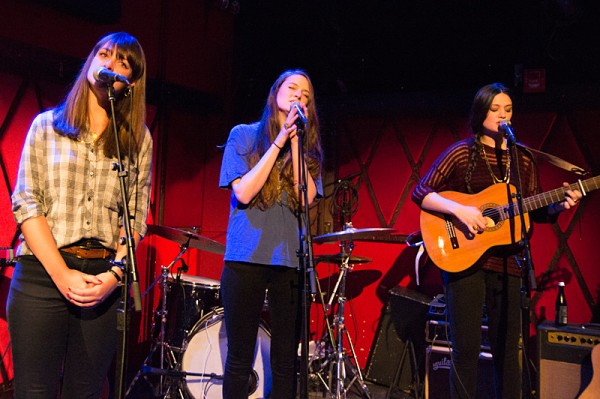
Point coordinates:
[[54, 343], [465, 296], [243, 288]]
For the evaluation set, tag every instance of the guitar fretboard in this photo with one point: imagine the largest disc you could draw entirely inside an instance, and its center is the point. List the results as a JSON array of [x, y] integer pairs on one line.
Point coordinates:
[[544, 199]]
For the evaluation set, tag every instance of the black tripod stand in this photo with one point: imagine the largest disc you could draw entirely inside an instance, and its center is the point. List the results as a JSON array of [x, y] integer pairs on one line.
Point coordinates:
[[330, 363], [336, 370], [169, 383]]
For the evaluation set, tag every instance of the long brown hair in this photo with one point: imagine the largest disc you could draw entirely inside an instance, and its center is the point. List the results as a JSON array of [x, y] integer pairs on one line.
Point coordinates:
[[71, 116], [269, 127]]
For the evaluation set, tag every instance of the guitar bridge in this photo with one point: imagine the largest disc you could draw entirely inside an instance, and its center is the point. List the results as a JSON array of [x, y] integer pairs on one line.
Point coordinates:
[[451, 231]]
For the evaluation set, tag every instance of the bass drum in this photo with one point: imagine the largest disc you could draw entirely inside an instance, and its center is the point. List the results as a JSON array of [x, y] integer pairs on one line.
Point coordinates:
[[205, 354]]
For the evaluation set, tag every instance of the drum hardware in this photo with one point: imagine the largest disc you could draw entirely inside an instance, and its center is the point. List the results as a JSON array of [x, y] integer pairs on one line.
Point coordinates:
[[165, 385], [340, 258], [336, 364], [178, 374]]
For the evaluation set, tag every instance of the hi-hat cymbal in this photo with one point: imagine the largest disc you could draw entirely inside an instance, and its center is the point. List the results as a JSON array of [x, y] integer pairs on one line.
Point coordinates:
[[339, 259], [182, 237], [350, 233]]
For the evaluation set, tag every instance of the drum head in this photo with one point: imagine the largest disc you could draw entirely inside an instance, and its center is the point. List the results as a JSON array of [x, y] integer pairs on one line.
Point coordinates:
[[206, 352]]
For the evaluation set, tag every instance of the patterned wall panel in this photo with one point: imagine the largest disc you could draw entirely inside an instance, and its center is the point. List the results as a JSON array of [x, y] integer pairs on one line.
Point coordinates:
[[20, 101]]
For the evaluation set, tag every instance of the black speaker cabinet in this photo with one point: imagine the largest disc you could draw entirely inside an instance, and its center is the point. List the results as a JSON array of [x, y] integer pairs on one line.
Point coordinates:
[[438, 361], [402, 318], [565, 367]]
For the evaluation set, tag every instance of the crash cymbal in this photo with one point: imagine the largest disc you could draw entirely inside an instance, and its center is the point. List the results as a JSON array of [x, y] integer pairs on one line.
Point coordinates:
[[350, 233], [339, 259], [182, 237]]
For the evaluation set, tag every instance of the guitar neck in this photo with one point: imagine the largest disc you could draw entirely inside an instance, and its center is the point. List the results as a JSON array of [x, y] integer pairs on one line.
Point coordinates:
[[544, 199], [552, 196]]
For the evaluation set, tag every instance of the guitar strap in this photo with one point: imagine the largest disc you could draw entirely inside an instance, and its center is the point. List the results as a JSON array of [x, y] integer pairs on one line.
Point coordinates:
[[553, 159]]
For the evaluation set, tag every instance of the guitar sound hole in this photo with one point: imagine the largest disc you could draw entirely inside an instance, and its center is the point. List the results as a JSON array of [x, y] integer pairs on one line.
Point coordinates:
[[494, 221]]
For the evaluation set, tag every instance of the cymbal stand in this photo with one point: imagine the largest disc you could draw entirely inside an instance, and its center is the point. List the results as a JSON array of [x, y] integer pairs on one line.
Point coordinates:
[[337, 387], [160, 343]]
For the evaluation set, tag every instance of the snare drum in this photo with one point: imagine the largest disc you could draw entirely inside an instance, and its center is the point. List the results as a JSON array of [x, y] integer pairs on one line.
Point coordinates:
[[189, 299], [205, 355]]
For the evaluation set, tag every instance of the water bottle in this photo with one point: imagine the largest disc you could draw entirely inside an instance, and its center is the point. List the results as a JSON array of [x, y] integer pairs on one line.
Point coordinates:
[[561, 306]]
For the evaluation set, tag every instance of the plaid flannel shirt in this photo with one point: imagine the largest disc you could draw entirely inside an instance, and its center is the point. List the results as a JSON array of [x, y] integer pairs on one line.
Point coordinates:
[[74, 186]]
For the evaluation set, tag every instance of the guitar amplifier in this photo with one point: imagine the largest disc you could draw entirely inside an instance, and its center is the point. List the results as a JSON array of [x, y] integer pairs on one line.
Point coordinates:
[[401, 320], [436, 332], [438, 360], [565, 367]]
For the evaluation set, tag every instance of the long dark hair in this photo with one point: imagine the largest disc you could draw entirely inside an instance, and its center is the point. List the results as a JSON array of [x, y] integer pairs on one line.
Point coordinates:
[[71, 116], [481, 105], [479, 110], [269, 127]]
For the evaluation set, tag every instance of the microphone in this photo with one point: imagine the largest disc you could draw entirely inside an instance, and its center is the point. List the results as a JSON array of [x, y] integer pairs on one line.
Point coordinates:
[[300, 112], [102, 74], [508, 131]]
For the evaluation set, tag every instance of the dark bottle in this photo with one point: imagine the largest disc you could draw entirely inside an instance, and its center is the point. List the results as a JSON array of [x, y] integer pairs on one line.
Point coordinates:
[[561, 306]]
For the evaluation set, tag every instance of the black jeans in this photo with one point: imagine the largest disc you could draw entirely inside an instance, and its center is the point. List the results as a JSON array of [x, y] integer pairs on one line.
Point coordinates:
[[465, 297], [55, 343], [243, 291]]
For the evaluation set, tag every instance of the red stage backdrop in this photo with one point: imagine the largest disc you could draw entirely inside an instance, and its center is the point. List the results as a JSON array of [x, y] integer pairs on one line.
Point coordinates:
[[379, 149]]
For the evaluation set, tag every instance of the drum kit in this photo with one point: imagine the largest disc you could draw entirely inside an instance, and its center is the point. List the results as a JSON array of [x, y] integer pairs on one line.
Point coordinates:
[[188, 335], [330, 364], [189, 343]]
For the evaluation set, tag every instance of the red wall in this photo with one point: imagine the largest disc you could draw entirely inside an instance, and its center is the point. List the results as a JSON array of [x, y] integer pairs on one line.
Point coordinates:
[[385, 147]]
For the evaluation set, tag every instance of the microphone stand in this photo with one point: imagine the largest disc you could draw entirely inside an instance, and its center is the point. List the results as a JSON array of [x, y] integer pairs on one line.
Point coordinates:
[[305, 254], [528, 282], [130, 264]]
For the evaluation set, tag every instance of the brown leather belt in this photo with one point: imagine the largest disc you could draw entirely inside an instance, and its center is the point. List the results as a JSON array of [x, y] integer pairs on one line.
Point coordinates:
[[88, 253]]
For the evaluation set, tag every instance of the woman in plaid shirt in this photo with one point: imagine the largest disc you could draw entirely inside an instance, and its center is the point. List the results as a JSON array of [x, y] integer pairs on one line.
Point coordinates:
[[62, 305]]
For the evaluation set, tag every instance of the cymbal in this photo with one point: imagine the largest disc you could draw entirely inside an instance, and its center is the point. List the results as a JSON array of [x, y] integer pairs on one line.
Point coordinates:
[[339, 259], [182, 237], [350, 233]]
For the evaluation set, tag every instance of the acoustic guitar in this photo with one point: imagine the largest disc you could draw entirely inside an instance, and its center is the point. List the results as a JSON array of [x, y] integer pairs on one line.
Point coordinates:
[[453, 248], [592, 391]]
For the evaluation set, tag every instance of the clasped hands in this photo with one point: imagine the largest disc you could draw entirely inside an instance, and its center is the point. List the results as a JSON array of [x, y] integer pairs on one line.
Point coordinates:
[[87, 290]]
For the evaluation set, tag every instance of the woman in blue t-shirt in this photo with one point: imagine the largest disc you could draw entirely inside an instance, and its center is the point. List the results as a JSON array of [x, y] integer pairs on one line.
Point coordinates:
[[261, 166]]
